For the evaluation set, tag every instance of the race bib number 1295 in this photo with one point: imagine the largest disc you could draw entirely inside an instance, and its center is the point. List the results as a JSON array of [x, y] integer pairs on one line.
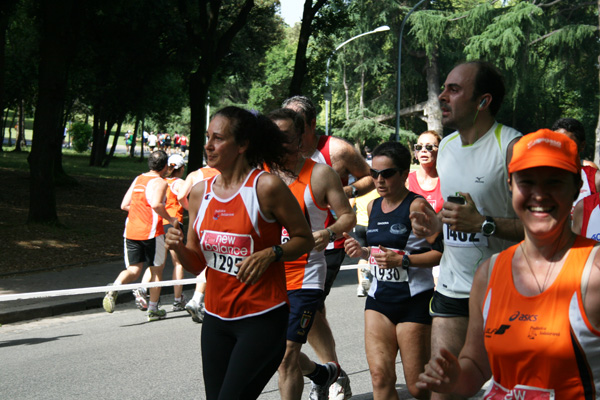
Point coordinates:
[[224, 250]]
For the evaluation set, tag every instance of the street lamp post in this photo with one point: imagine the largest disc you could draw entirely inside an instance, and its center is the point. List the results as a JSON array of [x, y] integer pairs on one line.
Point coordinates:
[[327, 94], [399, 78]]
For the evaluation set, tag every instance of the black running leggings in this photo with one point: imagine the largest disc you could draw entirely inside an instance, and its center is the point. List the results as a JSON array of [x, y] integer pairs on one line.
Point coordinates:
[[240, 357]]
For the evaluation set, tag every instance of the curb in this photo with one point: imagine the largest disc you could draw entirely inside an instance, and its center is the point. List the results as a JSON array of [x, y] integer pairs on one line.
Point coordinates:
[[66, 306]]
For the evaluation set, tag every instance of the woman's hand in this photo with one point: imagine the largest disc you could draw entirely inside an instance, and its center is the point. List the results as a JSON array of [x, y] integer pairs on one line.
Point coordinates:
[[387, 258], [174, 237], [252, 268], [352, 247]]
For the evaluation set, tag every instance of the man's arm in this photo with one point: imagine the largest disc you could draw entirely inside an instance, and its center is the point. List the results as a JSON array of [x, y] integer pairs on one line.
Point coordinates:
[[126, 202], [158, 190], [347, 160], [328, 190]]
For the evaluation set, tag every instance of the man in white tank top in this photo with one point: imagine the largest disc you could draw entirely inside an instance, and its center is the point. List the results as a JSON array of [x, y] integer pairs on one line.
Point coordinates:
[[472, 164]]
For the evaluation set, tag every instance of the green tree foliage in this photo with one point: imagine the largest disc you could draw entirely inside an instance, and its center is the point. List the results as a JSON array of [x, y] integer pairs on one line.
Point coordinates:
[[81, 134]]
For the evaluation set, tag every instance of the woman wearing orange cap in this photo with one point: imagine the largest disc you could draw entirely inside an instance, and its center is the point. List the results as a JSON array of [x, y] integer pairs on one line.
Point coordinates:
[[535, 307]]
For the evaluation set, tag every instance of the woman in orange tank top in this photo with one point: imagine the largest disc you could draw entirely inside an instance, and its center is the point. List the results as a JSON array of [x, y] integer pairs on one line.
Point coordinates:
[[535, 307], [235, 229]]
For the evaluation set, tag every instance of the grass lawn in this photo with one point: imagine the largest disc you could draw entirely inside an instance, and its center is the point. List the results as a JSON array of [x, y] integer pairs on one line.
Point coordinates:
[[89, 212]]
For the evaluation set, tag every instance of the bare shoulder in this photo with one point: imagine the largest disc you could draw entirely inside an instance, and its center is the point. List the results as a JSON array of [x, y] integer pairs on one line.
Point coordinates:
[[269, 187], [341, 148], [346, 159], [324, 171]]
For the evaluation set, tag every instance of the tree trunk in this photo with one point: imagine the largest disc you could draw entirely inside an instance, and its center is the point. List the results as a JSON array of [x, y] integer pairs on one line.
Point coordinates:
[[142, 139], [300, 64], [4, 121], [347, 94], [106, 162], [361, 103], [433, 112], [21, 141], [55, 50], [134, 138], [5, 11], [98, 142], [199, 84]]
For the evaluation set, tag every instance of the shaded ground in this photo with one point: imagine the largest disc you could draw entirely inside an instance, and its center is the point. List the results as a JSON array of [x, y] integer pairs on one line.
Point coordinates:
[[91, 215]]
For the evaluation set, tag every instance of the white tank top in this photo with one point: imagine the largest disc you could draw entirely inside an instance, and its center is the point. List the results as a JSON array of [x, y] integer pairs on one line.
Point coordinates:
[[480, 170]]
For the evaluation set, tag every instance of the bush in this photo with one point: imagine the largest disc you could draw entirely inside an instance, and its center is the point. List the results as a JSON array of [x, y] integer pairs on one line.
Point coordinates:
[[81, 133]]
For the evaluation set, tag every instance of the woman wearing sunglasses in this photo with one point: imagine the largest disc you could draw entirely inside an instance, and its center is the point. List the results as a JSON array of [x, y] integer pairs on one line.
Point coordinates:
[[397, 307], [425, 181]]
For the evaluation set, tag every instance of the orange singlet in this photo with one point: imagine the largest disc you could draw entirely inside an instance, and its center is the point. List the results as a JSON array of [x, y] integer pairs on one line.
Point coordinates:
[[172, 205], [541, 347], [230, 230], [142, 222]]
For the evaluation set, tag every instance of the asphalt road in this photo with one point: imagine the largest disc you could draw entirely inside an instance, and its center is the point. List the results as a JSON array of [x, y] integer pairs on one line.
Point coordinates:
[[95, 355]]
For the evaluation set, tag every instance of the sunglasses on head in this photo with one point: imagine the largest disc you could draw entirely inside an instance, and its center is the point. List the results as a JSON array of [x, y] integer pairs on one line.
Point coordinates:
[[428, 147], [385, 173]]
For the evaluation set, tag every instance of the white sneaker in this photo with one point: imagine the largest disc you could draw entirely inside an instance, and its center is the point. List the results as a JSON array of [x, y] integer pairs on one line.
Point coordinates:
[[367, 278], [321, 392], [340, 389], [195, 310], [360, 291]]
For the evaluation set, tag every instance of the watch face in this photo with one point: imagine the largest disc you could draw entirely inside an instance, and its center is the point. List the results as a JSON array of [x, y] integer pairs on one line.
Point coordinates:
[[488, 228]]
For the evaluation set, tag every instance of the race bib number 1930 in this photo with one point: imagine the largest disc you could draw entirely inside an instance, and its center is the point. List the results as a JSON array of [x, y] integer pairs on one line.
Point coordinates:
[[224, 250], [397, 274]]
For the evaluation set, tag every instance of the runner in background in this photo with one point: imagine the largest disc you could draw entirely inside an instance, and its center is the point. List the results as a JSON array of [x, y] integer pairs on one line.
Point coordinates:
[[144, 234], [346, 161], [425, 180]]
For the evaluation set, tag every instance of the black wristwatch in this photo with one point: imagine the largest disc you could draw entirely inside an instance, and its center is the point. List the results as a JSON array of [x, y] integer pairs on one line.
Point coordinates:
[[354, 193], [278, 252], [488, 228], [405, 261], [332, 235]]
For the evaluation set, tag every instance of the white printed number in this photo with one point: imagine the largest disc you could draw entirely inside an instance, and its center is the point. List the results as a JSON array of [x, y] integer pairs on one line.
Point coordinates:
[[226, 263]]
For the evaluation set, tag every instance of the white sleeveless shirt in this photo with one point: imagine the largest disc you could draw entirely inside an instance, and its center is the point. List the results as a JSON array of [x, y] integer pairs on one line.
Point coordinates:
[[480, 170]]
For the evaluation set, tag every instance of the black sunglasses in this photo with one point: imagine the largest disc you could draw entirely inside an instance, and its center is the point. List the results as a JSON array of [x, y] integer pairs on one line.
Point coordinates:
[[385, 173], [428, 147]]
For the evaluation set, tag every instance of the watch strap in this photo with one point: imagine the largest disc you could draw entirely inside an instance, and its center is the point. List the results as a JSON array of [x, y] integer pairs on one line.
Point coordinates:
[[278, 252]]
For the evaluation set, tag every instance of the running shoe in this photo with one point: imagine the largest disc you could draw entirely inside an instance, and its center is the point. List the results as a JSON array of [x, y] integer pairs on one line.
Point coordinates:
[[340, 389], [155, 315], [141, 298], [110, 300], [360, 291], [321, 392], [179, 305], [195, 310], [367, 278]]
